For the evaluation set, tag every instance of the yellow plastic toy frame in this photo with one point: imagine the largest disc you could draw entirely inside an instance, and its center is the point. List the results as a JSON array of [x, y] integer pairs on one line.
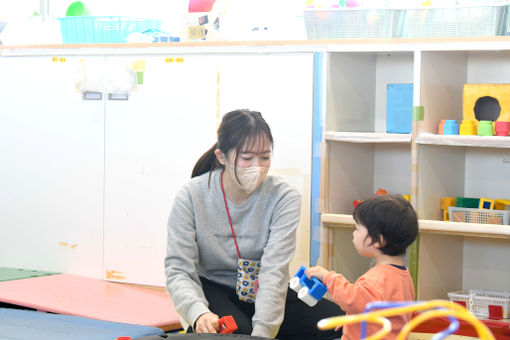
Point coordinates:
[[453, 309]]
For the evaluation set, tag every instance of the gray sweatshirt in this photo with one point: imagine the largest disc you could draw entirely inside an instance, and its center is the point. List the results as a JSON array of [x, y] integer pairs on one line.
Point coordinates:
[[200, 243]]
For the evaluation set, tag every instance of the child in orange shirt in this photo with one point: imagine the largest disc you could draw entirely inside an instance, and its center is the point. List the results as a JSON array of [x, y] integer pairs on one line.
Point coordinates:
[[385, 227]]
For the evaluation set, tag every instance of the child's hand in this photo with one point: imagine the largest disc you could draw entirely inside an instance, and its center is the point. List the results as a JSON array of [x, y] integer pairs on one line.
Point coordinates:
[[317, 271]]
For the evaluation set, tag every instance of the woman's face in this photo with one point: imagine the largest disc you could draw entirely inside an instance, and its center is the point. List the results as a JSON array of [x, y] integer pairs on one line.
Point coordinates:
[[255, 152], [252, 164]]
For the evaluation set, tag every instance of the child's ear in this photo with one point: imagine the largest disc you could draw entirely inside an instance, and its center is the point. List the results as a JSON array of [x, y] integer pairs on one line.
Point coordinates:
[[381, 243]]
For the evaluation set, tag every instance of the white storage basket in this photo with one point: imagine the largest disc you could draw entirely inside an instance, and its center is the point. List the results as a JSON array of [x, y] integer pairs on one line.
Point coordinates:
[[478, 301]]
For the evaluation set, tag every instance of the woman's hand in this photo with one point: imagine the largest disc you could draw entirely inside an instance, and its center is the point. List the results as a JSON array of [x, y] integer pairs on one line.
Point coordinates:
[[207, 323], [317, 271]]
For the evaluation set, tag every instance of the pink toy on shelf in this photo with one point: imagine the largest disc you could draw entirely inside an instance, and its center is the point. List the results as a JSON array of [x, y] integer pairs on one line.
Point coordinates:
[[502, 128]]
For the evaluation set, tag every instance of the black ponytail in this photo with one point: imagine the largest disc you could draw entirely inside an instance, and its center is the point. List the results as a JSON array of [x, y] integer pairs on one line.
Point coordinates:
[[206, 162]]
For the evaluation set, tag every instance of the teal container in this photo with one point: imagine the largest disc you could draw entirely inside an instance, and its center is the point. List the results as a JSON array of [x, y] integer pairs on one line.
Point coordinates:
[[97, 30]]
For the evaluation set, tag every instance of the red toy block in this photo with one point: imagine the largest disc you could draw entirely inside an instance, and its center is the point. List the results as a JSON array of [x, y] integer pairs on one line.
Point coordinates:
[[495, 312], [462, 303], [227, 325]]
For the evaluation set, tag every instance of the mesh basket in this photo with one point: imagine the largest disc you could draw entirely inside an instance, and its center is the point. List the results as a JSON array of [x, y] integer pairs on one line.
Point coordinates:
[[478, 301], [454, 21], [482, 216], [351, 23], [111, 29]]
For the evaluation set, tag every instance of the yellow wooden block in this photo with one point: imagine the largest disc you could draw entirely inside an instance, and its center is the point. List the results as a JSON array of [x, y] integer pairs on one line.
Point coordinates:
[[486, 203], [473, 92], [502, 204]]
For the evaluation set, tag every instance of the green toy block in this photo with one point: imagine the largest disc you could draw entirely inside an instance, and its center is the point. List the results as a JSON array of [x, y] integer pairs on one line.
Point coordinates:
[[467, 202]]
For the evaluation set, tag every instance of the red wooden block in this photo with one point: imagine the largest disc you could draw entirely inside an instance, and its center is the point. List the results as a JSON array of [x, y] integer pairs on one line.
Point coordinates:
[[227, 325]]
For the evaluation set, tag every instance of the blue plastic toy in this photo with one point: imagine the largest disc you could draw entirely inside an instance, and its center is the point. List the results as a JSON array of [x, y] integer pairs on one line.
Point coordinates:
[[309, 291], [451, 127]]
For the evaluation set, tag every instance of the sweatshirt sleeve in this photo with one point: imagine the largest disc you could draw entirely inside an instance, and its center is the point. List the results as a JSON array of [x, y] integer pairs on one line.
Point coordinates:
[[351, 297], [274, 270], [181, 260]]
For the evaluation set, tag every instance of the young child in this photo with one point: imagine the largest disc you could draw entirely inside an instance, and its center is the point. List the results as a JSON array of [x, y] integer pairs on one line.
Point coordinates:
[[385, 226]]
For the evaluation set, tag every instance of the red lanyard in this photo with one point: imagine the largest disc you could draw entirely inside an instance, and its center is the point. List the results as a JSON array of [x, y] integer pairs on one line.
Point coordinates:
[[228, 214]]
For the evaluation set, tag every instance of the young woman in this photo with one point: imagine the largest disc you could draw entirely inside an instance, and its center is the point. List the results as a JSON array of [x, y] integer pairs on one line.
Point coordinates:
[[231, 236]]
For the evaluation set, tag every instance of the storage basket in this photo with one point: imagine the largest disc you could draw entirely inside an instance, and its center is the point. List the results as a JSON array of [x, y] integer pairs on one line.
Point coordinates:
[[478, 301], [340, 23], [110, 29], [454, 21], [483, 216]]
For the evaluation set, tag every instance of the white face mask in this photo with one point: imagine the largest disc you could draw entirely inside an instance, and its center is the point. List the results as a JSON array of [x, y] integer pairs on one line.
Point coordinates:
[[249, 178]]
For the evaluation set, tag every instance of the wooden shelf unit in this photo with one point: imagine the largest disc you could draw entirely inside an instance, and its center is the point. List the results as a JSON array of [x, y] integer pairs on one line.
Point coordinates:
[[359, 157]]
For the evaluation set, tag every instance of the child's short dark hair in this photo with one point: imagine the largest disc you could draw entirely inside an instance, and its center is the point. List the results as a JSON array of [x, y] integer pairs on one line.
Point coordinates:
[[389, 216]]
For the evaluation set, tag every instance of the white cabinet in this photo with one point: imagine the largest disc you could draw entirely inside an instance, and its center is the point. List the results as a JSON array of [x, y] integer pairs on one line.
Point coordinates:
[[51, 149], [152, 141], [87, 185], [361, 157]]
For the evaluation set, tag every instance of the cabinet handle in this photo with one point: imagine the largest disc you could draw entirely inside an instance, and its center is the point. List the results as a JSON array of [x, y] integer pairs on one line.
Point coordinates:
[[88, 95], [118, 96]]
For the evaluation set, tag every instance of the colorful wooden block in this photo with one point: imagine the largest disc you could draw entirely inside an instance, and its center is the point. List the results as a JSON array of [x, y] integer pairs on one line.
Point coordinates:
[[486, 203], [467, 202], [486, 102], [445, 203], [502, 204]]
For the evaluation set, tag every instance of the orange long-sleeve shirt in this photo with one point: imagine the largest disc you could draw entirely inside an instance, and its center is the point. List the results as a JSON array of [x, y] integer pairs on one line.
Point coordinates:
[[381, 283]]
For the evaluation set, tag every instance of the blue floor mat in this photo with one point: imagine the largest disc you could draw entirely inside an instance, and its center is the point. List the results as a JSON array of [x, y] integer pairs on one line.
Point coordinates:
[[16, 324]]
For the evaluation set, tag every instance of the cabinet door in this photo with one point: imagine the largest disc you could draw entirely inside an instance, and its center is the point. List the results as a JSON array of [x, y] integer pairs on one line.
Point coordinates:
[[51, 146], [152, 141], [281, 88]]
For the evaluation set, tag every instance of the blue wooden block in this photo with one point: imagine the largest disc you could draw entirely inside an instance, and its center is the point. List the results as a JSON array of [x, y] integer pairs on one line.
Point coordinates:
[[399, 108]]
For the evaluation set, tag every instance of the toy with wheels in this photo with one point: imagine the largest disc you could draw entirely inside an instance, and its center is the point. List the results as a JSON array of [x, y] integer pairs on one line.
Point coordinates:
[[309, 291]]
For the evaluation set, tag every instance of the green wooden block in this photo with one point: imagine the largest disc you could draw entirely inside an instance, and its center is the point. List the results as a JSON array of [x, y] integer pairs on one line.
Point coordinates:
[[8, 274], [467, 202]]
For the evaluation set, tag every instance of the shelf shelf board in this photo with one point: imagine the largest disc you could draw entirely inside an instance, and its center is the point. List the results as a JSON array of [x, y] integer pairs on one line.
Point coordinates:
[[338, 220], [367, 137], [462, 140], [466, 229], [431, 226]]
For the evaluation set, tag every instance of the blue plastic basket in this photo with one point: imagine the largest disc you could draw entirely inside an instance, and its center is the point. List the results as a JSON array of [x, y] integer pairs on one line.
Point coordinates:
[[108, 29]]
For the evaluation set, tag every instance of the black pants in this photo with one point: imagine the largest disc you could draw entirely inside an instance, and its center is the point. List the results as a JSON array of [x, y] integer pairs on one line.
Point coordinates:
[[299, 322]]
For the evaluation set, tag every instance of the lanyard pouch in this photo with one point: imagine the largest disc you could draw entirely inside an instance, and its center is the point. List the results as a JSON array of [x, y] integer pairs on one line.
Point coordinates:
[[247, 270], [247, 276]]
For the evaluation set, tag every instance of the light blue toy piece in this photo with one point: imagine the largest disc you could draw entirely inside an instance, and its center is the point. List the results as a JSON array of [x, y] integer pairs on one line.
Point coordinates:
[[309, 291], [451, 127]]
